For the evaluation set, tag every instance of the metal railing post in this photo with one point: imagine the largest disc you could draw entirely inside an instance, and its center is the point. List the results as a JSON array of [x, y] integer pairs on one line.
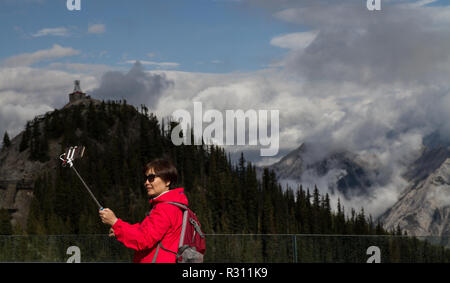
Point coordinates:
[[294, 242]]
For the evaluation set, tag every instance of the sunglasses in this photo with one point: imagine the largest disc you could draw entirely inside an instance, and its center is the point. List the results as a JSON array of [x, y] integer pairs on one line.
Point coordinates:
[[150, 178]]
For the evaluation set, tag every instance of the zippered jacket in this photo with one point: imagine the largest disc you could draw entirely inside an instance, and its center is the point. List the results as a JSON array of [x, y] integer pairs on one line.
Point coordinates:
[[162, 224]]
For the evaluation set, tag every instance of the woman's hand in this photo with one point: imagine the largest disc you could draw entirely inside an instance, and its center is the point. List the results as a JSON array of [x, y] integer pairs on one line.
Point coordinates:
[[107, 216]]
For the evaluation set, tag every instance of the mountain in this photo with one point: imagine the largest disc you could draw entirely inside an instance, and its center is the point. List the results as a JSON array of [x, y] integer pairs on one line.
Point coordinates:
[[339, 170], [424, 206]]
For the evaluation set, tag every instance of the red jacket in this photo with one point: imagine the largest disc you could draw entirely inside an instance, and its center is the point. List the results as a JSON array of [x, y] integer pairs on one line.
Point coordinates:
[[164, 222]]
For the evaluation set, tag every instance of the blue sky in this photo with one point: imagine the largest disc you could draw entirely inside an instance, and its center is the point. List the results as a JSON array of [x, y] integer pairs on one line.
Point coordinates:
[[199, 36]]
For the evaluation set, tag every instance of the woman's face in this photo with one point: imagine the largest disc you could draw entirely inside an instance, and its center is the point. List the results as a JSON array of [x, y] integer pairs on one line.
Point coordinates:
[[157, 186]]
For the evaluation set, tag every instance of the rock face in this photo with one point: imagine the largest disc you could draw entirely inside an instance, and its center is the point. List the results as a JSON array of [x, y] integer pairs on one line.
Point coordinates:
[[290, 166], [342, 171], [424, 207], [17, 174]]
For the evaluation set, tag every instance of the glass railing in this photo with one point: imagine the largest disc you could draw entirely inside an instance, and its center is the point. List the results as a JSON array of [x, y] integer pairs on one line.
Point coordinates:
[[236, 248]]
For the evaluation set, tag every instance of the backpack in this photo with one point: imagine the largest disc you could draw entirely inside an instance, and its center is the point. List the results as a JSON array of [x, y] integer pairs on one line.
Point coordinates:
[[191, 247]]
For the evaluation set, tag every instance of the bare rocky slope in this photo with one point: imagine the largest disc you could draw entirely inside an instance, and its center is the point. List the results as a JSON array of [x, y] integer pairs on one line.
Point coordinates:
[[423, 209]]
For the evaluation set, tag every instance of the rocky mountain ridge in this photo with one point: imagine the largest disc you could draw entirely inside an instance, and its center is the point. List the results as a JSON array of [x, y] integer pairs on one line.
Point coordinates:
[[343, 171], [423, 207]]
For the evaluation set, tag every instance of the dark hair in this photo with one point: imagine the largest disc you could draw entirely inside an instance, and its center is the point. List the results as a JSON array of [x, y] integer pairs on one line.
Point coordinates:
[[165, 170]]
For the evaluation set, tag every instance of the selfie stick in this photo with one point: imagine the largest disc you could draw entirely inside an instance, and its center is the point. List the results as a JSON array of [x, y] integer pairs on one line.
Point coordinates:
[[69, 160]]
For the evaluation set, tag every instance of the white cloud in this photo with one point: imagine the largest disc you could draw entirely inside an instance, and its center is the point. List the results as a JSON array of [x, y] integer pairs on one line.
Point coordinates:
[[26, 92], [419, 3], [95, 69], [294, 41], [97, 29], [59, 31], [27, 59], [157, 64], [22, 1]]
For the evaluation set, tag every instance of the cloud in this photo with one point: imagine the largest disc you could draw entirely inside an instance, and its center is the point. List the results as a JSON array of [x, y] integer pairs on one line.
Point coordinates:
[[21, 2], [97, 29], [264, 90], [26, 92], [136, 86], [367, 74], [294, 41], [59, 31], [95, 69], [420, 3], [156, 64], [402, 44], [27, 59], [14, 116]]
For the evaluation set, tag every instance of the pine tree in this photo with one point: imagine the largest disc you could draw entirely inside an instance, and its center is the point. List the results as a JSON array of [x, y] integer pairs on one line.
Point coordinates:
[[340, 219], [252, 198], [379, 228], [24, 143], [317, 221], [6, 140], [398, 230], [5, 222], [327, 216], [241, 168]]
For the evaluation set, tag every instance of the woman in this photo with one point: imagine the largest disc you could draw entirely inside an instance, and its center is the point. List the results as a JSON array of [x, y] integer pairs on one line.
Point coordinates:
[[162, 225]]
